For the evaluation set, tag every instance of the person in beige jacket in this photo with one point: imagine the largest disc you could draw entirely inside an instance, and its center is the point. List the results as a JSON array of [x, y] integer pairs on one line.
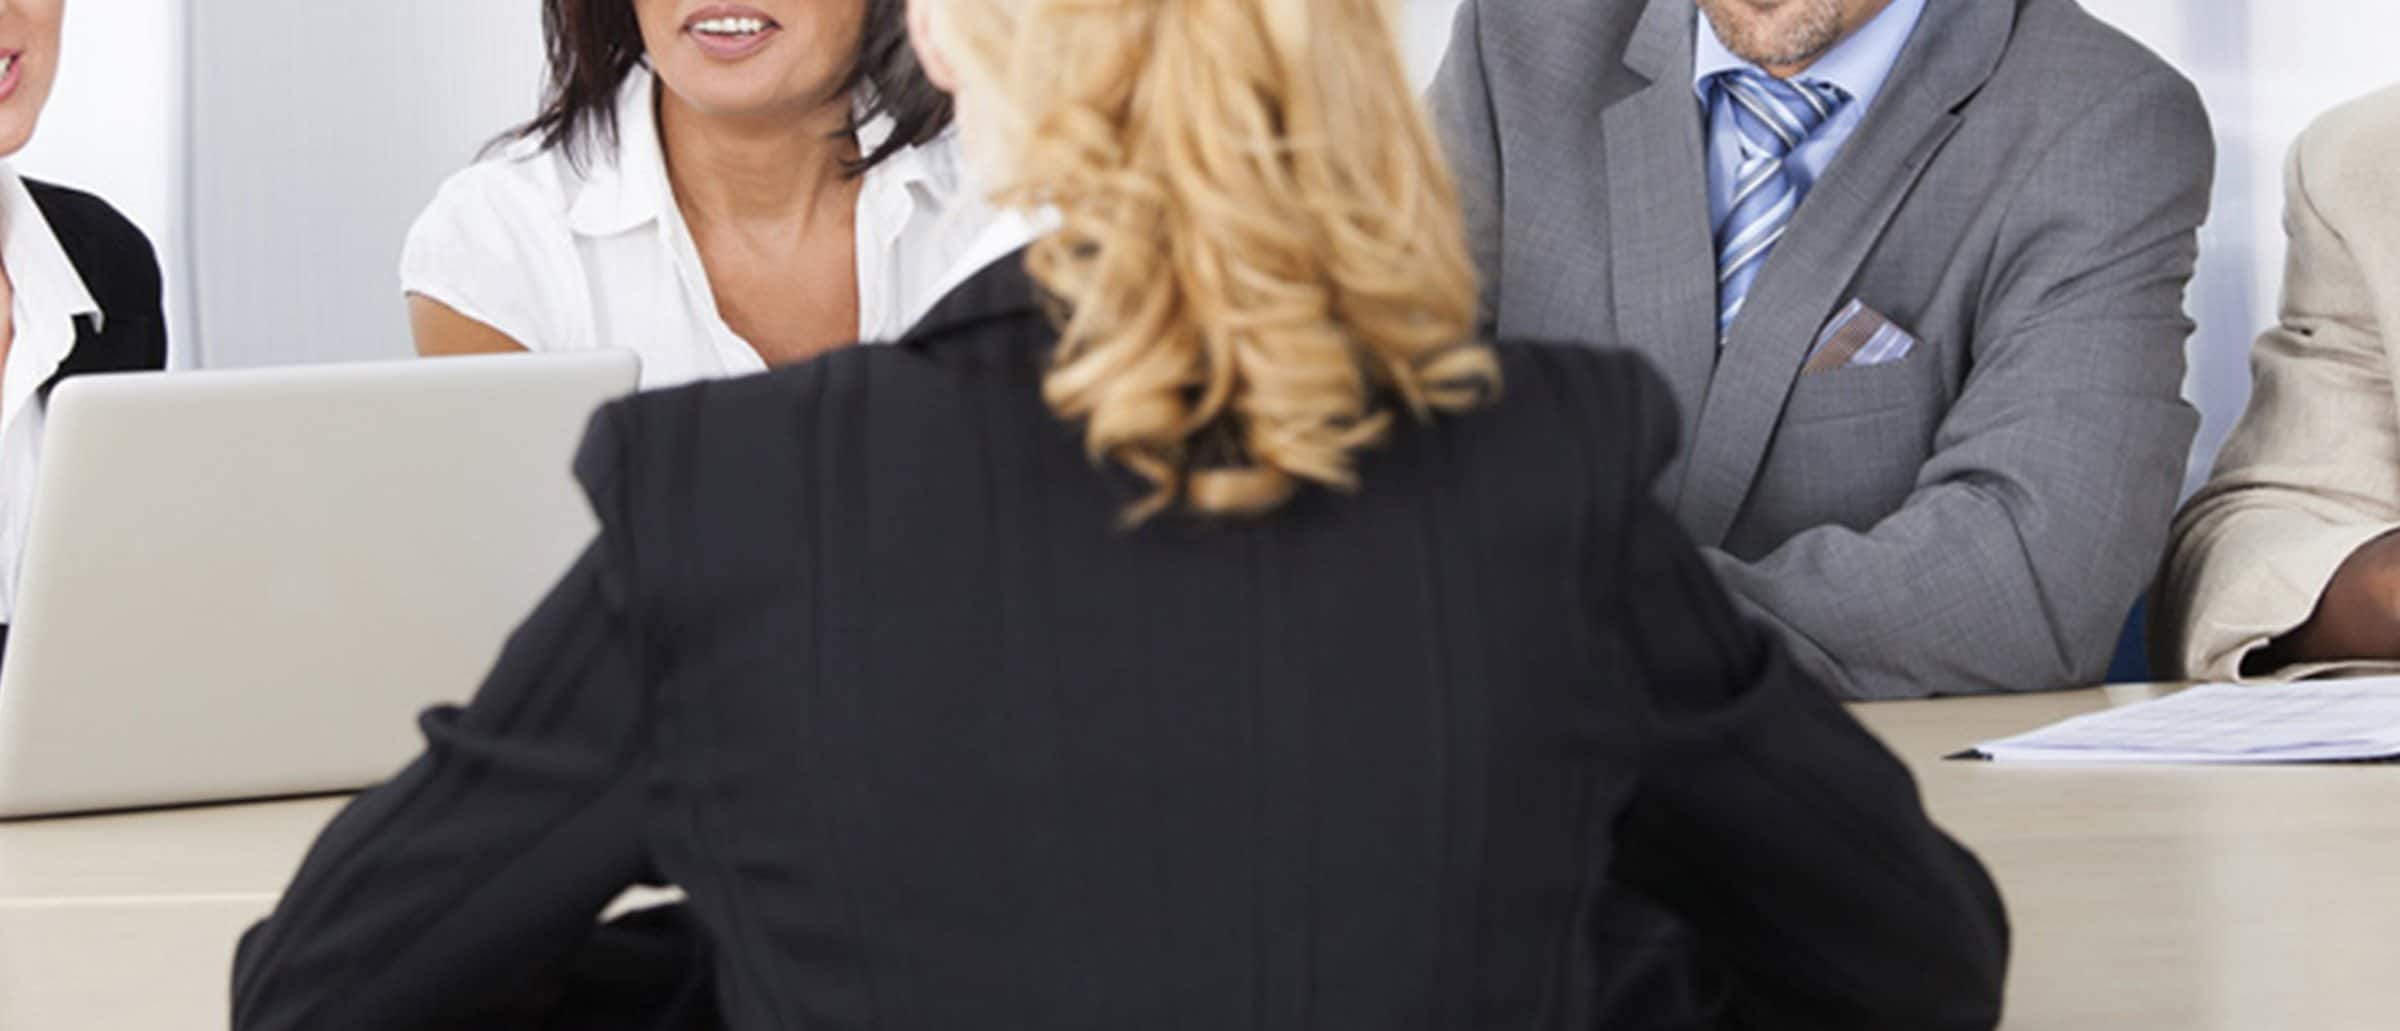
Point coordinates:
[[2287, 563]]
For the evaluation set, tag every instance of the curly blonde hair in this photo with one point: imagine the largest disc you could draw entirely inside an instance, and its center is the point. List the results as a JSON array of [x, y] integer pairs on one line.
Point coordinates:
[[1260, 255]]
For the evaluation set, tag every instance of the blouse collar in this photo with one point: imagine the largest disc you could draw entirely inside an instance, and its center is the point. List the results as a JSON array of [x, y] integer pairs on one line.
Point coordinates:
[[629, 188], [48, 288]]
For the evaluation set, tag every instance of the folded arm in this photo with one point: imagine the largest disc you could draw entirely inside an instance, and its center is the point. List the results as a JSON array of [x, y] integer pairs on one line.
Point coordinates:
[[2311, 475], [2043, 509]]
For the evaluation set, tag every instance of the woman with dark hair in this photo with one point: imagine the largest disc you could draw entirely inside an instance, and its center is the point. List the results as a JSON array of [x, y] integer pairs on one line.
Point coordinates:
[[718, 187]]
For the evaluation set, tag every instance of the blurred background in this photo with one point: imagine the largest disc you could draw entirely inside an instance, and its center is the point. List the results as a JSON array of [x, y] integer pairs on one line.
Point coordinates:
[[276, 150]]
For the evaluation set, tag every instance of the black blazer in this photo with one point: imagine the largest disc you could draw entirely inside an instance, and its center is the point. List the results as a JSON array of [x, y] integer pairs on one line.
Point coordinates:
[[120, 270], [860, 661]]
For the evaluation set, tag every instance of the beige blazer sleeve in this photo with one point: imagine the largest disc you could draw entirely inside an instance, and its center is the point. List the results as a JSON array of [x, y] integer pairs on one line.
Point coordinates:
[[2312, 472]]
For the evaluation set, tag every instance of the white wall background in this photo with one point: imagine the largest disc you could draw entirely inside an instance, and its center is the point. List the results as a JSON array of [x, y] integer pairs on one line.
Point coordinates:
[[276, 150], [319, 130]]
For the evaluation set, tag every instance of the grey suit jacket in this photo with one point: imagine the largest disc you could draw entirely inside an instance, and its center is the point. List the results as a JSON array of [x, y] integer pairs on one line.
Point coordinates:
[[2024, 198]]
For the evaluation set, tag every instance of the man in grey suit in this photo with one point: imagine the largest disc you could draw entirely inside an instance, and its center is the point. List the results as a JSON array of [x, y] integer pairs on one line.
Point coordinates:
[[1915, 272]]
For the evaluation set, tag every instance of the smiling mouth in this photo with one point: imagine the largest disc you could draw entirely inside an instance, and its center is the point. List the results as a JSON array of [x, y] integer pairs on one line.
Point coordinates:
[[733, 29], [8, 65]]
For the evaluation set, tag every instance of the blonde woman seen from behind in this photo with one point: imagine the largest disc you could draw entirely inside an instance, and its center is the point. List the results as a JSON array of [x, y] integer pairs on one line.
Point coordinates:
[[1256, 261], [1180, 627]]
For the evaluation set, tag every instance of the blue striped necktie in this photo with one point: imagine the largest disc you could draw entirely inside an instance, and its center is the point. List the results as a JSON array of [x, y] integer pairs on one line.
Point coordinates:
[[1771, 117]]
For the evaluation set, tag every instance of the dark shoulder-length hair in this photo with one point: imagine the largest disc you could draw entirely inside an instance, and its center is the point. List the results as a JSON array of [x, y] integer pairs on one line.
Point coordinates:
[[595, 44]]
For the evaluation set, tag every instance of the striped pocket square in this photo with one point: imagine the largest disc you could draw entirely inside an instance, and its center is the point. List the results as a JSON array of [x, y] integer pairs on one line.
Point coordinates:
[[1857, 337]]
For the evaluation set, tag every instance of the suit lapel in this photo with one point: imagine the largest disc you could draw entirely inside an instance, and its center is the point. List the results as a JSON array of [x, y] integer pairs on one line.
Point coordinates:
[[1957, 46], [1661, 256]]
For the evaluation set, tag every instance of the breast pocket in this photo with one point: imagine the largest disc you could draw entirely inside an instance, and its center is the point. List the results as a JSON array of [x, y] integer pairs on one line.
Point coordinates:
[[1852, 393], [1846, 452]]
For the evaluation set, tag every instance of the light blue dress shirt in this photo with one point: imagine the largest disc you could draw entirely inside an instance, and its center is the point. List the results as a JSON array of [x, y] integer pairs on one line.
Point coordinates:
[[1858, 65]]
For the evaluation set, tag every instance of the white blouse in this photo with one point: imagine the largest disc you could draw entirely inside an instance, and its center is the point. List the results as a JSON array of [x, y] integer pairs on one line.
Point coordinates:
[[561, 259], [50, 299]]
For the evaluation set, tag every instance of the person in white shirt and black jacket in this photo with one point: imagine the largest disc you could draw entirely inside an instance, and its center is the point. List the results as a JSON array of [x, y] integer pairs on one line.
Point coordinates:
[[79, 284]]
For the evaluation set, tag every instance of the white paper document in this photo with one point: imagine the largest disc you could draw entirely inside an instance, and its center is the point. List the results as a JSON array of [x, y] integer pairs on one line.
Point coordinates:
[[2329, 721]]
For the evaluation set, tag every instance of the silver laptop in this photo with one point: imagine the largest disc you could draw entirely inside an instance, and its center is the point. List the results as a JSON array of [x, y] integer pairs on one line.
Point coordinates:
[[246, 584]]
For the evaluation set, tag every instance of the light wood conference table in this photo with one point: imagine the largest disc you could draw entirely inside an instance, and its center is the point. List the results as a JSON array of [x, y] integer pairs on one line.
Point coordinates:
[[2178, 898], [128, 921]]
